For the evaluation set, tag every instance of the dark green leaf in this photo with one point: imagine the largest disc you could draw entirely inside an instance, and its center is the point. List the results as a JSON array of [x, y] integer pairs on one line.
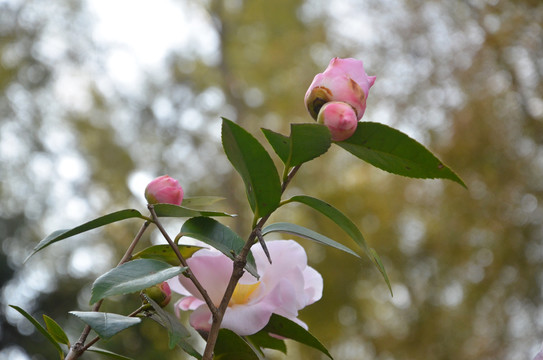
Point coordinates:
[[308, 141], [284, 327], [165, 253], [280, 144], [106, 324], [196, 201], [393, 151], [255, 166], [347, 225], [170, 210], [56, 331], [231, 346], [306, 233], [40, 328], [177, 333], [262, 339], [93, 224], [220, 237], [108, 353], [132, 276]]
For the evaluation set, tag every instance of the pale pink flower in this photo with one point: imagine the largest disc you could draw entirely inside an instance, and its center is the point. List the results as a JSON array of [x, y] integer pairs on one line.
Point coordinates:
[[285, 286], [343, 80], [539, 355], [340, 119], [164, 190]]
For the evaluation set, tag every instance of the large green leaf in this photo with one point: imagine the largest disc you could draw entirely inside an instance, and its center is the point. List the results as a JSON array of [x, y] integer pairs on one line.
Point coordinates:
[[132, 276], [218, 236], [306, 233], [170, 210], [264, 340], [177, 333], [306, 142], [255, 166], [197, 201], [56, 331], [93, 224], [347, 225], [165, 253], [230, 346], [284, 327], [393, 151], [106, 324], [108, 353], [40, 328]]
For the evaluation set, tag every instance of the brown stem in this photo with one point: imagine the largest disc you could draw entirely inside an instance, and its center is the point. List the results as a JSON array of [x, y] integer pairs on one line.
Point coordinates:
[[239, 264], [183, 262]]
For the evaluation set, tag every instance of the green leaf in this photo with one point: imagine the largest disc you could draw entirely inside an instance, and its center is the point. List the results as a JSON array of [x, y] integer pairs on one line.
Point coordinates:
[[170, 210], [347, 225], [93, 224], [132, 276], [56, 331], [220, 237], [393, 151], [255, 166], [196, 201], [284, 327], [230, 346], [262, 339], [40, 328], [165, 253], [306, 233], [108, 353], [306, 142], [106, 324], [280, 144], [176, 331]]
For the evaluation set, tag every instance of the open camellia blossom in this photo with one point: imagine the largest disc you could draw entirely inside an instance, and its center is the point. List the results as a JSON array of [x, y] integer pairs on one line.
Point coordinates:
[[343, 80], [164, 189], [285, 286]]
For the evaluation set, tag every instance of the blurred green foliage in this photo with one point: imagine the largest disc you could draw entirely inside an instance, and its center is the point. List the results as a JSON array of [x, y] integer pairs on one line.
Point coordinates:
[[462, 77]]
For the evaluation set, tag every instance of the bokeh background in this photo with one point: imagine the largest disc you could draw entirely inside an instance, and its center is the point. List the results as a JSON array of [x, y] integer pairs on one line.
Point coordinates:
[[98, 97]]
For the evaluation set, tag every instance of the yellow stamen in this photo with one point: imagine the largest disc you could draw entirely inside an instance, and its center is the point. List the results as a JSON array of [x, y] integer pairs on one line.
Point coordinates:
[[242, 293]]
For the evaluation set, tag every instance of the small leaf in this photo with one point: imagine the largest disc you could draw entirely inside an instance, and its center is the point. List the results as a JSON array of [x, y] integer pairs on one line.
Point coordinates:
[[255, 166], [347, 225], [132, 276], [93, 224], [230, 346], [308, 141], [165, 253], [280, 144], [263, 340], [176, 331], [306, 233], [284, 327], [108, 353], [196, 201], [393, 151], [106, 324], [40, 328], [170, 210], [56, 331], [220, 237]]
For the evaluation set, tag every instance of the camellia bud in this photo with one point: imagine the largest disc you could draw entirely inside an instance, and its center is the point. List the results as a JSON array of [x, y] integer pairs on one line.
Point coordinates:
[[164, 189], [340, 119], [343, 80], [160, 293]]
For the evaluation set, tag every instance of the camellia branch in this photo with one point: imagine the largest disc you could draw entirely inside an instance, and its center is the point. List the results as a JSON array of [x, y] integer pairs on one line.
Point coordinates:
[[239, 264], [79, 347]]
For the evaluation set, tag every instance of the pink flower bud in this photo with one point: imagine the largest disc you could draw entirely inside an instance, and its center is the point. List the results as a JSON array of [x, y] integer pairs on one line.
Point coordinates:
[[160, 293], [164, 189], [340, 119], [343, 80]]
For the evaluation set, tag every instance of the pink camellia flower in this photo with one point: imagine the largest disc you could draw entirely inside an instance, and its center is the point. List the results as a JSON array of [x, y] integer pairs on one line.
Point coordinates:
[[343, 80], [164, 189], [284, 287], [340, 119]]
